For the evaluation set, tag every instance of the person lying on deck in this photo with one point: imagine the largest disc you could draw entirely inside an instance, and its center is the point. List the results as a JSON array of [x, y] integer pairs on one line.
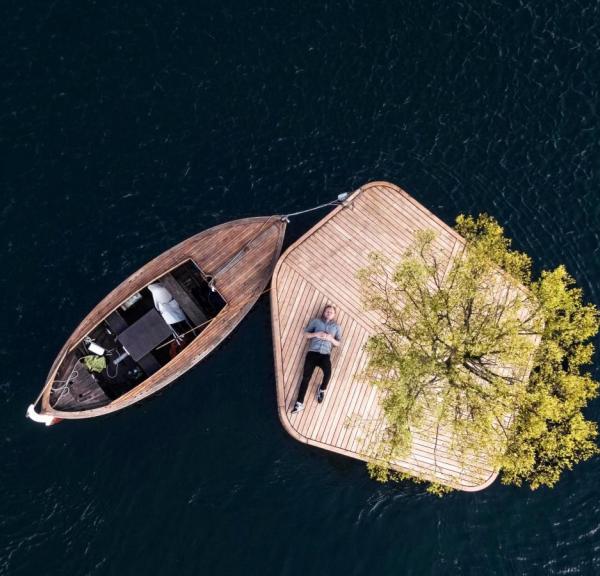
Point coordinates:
[[323, 333]]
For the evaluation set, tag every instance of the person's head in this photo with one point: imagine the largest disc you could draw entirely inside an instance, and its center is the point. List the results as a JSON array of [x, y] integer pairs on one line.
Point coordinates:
[[328, 313]]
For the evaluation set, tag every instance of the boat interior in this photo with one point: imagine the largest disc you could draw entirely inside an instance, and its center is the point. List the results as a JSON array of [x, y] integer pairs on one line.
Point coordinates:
[[138, 338]]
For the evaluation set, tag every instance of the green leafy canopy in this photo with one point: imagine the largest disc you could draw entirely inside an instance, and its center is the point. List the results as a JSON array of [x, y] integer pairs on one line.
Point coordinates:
[[470, 343]]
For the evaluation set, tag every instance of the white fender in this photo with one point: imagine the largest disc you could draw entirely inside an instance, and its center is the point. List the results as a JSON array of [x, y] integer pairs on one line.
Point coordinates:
[[41, 418]]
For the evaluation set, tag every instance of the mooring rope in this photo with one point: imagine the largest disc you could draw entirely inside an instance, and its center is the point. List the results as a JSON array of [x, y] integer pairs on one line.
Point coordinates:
[[338, 202]]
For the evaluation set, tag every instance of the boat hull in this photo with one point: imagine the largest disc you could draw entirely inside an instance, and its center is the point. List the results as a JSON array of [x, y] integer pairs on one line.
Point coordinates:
[[239, 258]]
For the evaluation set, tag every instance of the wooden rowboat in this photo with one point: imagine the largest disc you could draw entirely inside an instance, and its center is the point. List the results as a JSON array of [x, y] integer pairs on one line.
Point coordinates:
[[162, 320]]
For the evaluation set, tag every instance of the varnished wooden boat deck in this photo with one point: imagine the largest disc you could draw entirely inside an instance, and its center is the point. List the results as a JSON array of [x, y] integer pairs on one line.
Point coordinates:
[[239, 255], [321, 268]]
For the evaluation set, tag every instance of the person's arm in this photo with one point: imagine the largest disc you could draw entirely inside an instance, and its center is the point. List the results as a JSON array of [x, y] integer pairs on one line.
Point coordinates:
[[335, 340], [309, 331]]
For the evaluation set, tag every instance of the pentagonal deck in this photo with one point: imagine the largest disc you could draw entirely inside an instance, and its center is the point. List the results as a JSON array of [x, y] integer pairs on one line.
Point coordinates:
[[321, 268]]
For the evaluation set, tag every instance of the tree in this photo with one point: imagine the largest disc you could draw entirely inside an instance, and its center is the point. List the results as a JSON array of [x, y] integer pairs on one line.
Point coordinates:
[[459, 338]]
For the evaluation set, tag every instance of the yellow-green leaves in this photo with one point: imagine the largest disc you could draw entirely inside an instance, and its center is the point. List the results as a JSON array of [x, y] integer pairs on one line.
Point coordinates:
[[459, 335], [485, 235], [551, 433]]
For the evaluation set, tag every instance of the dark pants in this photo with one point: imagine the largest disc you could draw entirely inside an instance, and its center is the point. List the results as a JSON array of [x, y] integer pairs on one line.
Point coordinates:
[[314, 359]]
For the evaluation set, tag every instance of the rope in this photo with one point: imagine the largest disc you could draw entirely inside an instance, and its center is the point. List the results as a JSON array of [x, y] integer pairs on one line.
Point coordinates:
[[339, 202], [64, 389], [211, 278]]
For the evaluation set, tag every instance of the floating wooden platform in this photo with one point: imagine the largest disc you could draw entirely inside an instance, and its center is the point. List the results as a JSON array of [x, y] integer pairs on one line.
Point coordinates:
[[321, 268]]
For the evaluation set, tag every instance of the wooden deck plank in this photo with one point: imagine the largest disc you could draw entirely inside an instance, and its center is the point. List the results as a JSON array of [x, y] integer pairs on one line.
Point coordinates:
[[416, 212], [391, 238], [289, 313], [368, 217], [343, 295], [238, 279], [351, 391], [368, 244], [339, 295], [210, 257], [304, 299], [348, 383], [358, 257], [295, 334], [361, 245], [351, 259], [287, 274], [366, 395], [321, 268], [404, 220], [363, 390]]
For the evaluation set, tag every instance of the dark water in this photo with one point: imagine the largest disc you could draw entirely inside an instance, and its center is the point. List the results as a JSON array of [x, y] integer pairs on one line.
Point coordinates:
[[126, 127]]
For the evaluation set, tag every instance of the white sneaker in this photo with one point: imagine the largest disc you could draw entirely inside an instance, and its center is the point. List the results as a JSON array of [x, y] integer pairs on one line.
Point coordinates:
[[298, 407]]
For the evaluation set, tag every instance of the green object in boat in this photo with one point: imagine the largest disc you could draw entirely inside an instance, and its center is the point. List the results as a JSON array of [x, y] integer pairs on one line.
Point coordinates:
[[94, 363]]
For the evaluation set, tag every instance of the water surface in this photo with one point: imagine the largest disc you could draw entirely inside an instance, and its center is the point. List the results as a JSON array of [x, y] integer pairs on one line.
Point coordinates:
[[127, 127]]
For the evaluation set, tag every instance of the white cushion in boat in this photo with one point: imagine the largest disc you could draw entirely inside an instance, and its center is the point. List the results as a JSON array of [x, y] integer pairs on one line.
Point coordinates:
[[165, 303]]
